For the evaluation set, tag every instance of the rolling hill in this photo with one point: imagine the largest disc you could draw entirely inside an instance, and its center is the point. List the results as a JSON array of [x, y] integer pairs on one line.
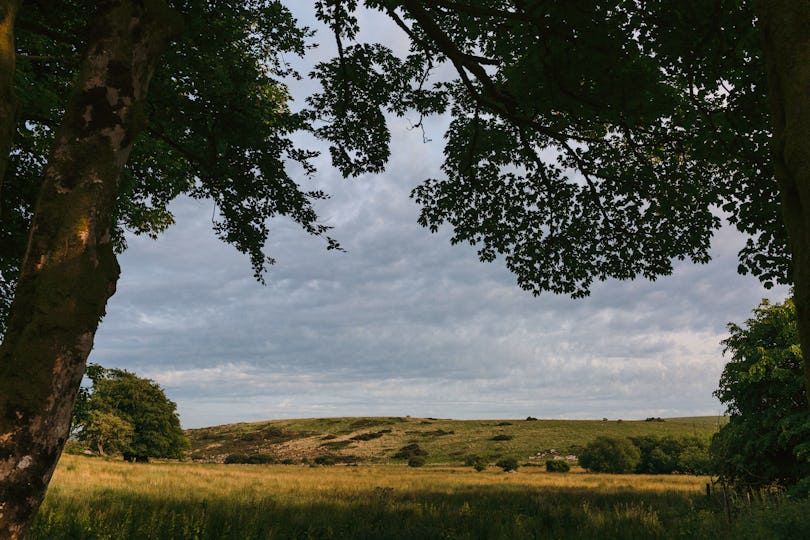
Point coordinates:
[[379, 439]]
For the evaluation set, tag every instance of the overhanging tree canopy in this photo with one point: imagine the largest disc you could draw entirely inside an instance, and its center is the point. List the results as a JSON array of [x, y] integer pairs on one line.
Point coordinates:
[[589, 140]]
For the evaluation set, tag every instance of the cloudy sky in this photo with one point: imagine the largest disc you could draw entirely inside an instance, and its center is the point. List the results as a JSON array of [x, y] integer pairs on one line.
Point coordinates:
[[403, 323]]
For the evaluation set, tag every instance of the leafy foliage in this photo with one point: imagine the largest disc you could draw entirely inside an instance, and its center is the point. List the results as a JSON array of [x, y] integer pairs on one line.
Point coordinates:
[[219, 126], [508, 464], [107, 431], [129, 414], [611, 455], [767, 439], [557, 465], [666, 455], [588, 140]]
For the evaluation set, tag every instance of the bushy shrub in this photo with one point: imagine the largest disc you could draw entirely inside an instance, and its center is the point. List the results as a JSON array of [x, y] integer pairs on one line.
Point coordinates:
[[236, 458], [410, 450], [610, 455], [369, 436], [695, 458], [501, 438], [250, 459], [766, 441], [325, 460], [477, 462], [666, 455], [507, 464], [659, 455], [557, 465], [416, 461]]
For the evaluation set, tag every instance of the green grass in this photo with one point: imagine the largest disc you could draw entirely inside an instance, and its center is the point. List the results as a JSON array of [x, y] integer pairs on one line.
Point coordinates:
[[446, 441]]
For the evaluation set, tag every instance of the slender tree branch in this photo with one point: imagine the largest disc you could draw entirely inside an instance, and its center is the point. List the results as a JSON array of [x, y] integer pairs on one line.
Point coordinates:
[[37, 28], [174, 145], [476, 11], [38, 58]]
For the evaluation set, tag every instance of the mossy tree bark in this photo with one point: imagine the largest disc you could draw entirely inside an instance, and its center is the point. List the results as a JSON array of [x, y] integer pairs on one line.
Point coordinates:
[[69, 270], [784, 28]]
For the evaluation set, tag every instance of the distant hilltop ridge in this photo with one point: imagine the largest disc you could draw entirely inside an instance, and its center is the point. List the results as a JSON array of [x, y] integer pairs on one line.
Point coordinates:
[[384, 439]]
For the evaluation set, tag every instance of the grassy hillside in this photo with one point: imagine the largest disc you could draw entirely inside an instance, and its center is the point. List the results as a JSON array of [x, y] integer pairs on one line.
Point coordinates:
[[378, 439]]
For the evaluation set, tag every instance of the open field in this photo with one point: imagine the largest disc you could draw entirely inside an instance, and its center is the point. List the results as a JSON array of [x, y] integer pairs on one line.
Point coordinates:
[[377, 439], [91, 498]]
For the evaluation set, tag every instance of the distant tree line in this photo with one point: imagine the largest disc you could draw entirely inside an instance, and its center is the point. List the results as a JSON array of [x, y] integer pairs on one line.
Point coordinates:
[[647, 454]]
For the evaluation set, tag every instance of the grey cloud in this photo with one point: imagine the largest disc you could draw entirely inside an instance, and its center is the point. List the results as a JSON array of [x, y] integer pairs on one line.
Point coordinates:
[[405, 323]]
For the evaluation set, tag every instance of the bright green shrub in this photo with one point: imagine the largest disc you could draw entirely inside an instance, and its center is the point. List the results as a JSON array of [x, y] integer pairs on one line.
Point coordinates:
[[610, 455], [767, 439]]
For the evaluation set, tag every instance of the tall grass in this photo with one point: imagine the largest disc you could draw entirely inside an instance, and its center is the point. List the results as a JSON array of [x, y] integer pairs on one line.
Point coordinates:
[[94, 499]]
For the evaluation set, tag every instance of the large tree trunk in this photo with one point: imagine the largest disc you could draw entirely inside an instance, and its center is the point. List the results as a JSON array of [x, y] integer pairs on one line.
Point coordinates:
[[8, 104], [69, 270], [785, 30]]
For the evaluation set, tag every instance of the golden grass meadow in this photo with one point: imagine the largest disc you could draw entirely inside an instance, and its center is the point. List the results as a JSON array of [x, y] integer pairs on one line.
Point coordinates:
[[95, 498]]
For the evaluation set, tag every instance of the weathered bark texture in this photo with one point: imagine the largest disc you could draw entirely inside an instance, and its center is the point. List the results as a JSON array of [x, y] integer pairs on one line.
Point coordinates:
[[69, 270], [785, 30], [8, 103]]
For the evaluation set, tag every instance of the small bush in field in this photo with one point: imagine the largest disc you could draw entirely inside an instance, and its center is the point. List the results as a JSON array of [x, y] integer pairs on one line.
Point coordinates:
[[477, 462], [410, 450], [416, 461], [501, 438], [252, 459], [557, 465], [325, 460], [610, 455], [507, 464]]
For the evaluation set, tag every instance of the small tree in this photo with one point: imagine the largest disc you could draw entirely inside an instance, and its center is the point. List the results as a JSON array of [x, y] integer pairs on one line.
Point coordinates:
[[130, 414], [610, 455], [767, 439], [107, 431]]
